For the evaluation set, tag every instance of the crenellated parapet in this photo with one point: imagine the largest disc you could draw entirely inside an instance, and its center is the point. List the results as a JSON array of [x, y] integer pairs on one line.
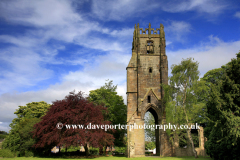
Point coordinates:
[[147, 33]]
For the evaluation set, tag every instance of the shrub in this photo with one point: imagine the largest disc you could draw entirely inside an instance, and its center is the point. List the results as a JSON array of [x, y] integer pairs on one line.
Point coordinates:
[[21, 153], [6, 153], [94, 151], [29, 154], [3, 136], [148, 153], [71, 149], [120, 150]]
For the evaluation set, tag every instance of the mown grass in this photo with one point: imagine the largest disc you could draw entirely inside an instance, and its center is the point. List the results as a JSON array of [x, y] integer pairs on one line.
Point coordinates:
[[112, 158]]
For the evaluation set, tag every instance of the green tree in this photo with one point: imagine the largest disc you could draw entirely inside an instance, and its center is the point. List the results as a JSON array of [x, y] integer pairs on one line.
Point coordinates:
[[3, 135], [212, 77], [117, 110], [150, 145], [149, 134], [223, 111], [183, 96], [20, 136]]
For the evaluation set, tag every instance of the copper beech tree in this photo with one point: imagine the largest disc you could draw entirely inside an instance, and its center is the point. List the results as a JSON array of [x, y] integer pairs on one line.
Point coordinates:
[[74, 109]]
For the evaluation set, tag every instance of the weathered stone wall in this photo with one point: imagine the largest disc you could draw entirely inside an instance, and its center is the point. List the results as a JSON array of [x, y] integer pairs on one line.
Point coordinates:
[[180, 152], [201, 152], [148, 80], [188, 151], [147, 69]]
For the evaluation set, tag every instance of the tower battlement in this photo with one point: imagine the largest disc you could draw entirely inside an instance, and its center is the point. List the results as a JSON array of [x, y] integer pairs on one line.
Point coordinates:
[[149, 30], [149, 39]]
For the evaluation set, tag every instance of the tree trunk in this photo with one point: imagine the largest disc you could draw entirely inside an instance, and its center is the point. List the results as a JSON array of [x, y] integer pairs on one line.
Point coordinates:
[[105, 151], [189, 130], [86, 147], [193, 148], [176, 140], [101, 150]]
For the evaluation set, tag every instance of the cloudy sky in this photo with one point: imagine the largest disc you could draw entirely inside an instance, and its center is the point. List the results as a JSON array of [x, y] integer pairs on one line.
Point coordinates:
[[51, 47]]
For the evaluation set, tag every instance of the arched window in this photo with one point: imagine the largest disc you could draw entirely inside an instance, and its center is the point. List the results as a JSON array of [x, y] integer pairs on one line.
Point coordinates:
[[149, 46]]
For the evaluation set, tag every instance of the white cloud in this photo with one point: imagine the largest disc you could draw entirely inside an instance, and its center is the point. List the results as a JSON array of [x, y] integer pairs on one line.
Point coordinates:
[[39, 13], [177, 31], [99, 43], [237, 14], [21, 68], [125, 32], [121, 9], [19, 41], [29, 53], [52, 19], [111, 66], [210, 55], [202, 6], [4, 126], [168, 43]]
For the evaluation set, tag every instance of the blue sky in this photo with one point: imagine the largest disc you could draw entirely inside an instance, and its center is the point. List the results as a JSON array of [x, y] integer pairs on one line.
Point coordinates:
[[51, 47]]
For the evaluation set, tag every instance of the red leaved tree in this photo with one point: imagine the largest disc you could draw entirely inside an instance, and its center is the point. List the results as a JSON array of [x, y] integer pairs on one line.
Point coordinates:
[[74, 109]]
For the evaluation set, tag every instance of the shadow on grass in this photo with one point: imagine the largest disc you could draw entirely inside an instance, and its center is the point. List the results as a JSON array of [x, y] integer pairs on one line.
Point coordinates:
[[81, 155], [68, 155], [119, 155], [188, 158], [75, 155]]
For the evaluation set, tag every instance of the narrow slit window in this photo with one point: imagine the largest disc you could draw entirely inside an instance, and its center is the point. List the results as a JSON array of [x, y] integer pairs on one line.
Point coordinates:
[[149, 99], [150, 70]]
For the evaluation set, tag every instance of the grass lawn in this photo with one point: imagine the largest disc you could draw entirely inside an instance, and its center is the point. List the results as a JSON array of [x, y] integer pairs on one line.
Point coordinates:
[[111, 158]]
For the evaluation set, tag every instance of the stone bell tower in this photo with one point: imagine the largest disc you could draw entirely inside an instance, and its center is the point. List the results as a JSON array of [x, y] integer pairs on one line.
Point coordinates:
[[147, 69]]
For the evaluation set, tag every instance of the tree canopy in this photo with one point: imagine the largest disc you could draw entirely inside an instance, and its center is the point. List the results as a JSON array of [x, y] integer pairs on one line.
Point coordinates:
[[3, 135], [117, 110], [73, 109], [223, 111], [20, 136], [150, 145]]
